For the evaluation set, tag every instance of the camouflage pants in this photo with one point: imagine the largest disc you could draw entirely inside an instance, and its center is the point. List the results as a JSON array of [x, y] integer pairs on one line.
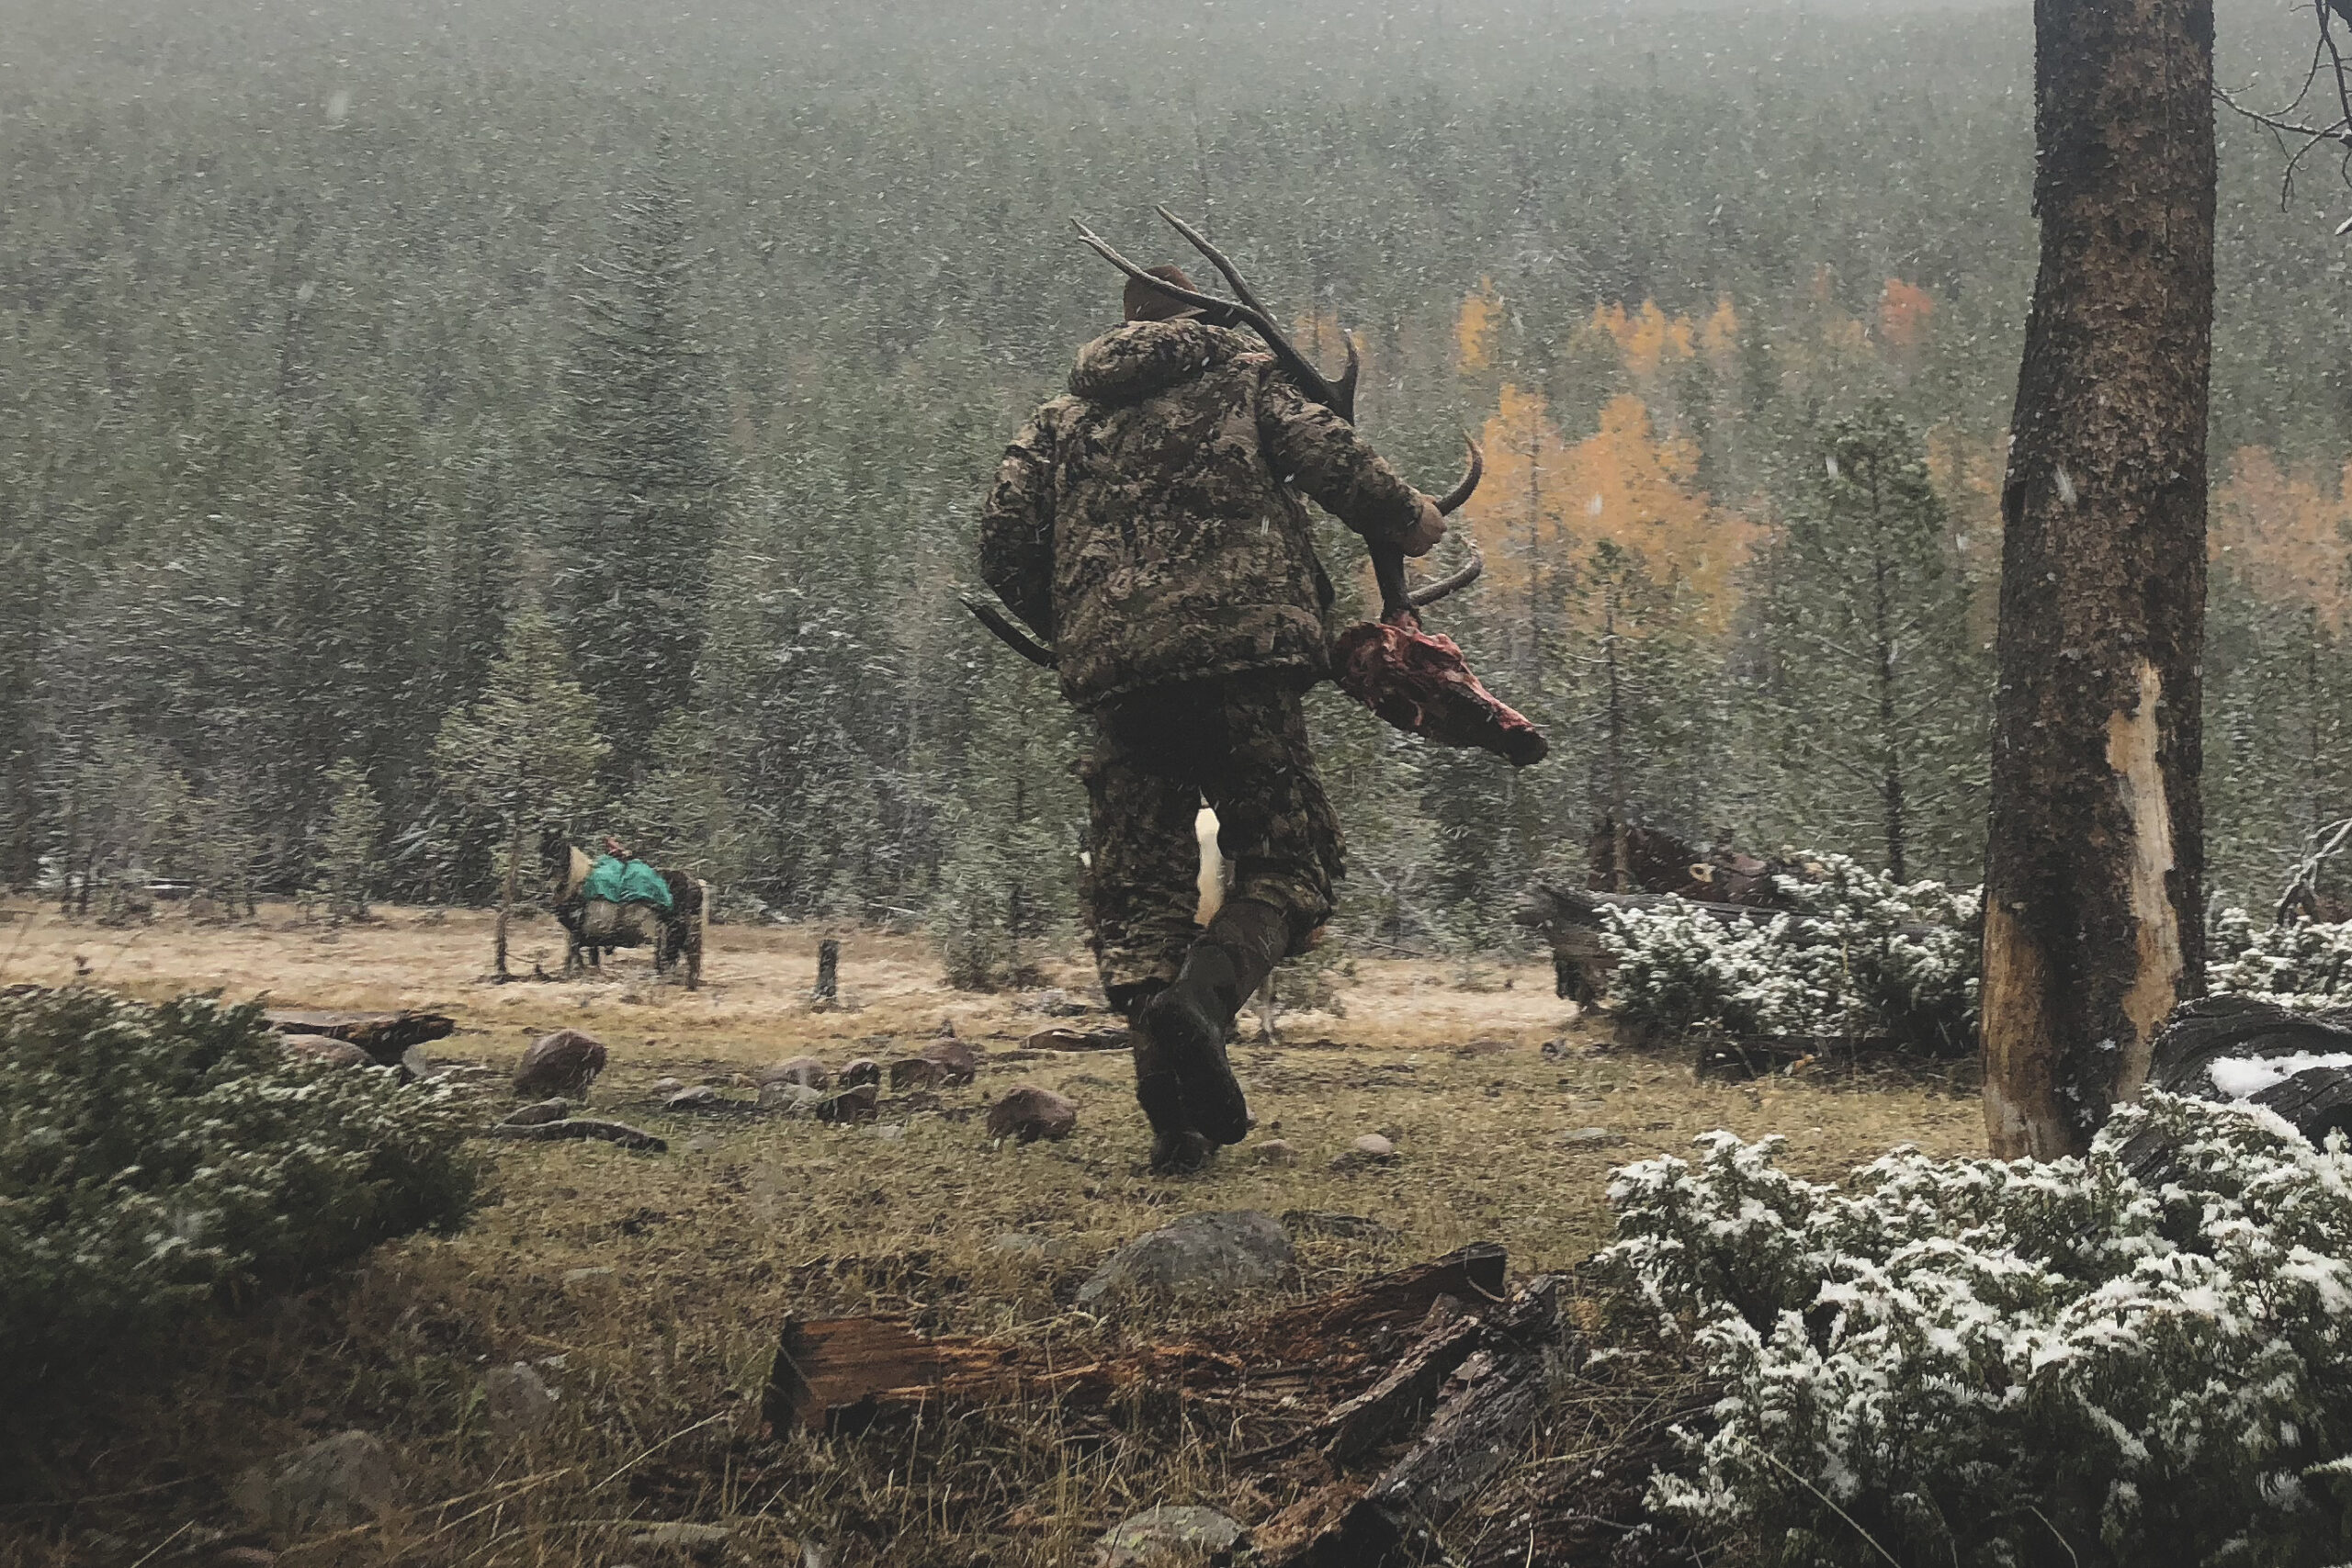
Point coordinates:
[[1241, 745]]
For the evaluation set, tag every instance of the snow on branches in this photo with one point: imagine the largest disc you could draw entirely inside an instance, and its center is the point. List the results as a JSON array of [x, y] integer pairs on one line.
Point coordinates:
[[1971, 1361]]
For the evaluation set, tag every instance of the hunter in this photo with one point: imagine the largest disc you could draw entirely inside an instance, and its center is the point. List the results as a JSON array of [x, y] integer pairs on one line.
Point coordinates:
[[1147, 523]]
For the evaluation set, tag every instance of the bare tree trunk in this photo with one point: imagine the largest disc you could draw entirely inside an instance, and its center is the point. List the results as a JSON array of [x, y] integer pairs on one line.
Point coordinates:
[[506, 891], [2093, 871], [1883, 629]]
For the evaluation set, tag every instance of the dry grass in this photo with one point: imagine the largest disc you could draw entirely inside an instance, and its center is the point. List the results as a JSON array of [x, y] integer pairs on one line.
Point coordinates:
[[747, 1219]]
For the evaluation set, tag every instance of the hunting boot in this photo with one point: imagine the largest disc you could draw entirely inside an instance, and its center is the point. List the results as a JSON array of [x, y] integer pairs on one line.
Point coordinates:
[[1177, 1149], [1187, 1022]]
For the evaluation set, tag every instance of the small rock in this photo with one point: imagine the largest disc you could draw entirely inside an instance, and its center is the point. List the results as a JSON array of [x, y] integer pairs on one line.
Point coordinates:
[[955, 1060], [1022, 1244], [327, 1049], [804, 1070], [416, 1065], [1166, 1535], [913, 1072], [1055, 1003], [1555, 1049], [1030, 1114], [701, 1097], [894, 1131], [1370, 1149], [564, 1063], [333, 1485], [1275, 1151], [866, 1070], [1589, 1138], [533, 1115], [668, 1086], [595, 1276], [789, 1096], [705, 1541], [849, 1105], [1220, 1255], [516, 1399]]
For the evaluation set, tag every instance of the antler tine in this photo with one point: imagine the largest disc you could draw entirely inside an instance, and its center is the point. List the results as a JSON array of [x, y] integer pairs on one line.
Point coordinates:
[[1217, 259], [1452, 500], [1347, 383], [1460, 577], [1101, 247], [1340, 399]]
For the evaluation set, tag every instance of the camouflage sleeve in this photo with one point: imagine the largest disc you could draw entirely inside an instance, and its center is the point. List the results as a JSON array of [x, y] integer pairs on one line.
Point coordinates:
[[1017, 528], [1315, 450]]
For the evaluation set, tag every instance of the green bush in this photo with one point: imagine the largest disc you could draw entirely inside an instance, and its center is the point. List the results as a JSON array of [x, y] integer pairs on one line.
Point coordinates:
[[1990, 1364], [161, 1161]]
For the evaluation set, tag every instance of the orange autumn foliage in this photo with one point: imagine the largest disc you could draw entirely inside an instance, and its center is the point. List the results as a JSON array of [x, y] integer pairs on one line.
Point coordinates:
[[2284, 535], [1719, 334], [1476, 328], [1646, 338], [1905, 313], [1547, 502]]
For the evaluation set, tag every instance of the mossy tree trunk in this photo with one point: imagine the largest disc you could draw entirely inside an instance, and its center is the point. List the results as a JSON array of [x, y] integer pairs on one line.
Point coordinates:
[[2093, 877]]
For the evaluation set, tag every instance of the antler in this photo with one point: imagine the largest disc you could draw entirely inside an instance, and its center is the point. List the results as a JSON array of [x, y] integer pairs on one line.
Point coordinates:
[[1462, 577], [1340, 397]]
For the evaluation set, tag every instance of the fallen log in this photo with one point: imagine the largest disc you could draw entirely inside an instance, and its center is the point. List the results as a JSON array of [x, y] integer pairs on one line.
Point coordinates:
[[385, 1036], [2315, 1100], [572, 1127], [834, 1375]]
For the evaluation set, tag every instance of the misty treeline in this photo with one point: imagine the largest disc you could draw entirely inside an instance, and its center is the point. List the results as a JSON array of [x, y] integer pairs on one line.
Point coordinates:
[[423, 422]]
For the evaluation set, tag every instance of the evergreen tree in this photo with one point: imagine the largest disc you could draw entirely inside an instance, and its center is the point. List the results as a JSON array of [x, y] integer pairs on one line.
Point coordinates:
[[525, 754], [644, 477], [347, 859], [1875, 699]]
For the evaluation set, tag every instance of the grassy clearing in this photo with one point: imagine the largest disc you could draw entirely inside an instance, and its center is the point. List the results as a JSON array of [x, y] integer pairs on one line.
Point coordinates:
[[660, 1361]]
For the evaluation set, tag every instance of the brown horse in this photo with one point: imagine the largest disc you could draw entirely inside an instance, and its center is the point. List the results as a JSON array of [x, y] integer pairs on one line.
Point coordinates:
[[590, 925]]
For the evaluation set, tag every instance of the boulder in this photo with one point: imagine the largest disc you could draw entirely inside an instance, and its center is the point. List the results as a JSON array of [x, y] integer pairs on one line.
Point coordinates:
[[668, 1086], [804, 1070], [516, 1399], [333, 1484], [1275, 1151], [789, 1096], [913, 1072], [1220, 1257], [321, 1048], [701, 1097], [866, 1070], [1030, 1114], [957, 1062], [1166, 1535], [534, 1114], [849, 1105], [563, 1064]]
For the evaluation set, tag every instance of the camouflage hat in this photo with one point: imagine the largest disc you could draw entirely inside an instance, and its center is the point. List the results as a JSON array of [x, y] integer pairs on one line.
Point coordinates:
[[1145, 303]]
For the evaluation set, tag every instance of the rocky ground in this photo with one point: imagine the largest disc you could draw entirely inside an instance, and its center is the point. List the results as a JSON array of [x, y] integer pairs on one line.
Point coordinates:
[[577, 1377]]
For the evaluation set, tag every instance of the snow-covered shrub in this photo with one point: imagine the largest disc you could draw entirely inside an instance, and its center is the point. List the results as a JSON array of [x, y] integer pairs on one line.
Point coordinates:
[[157, 1161], [1972, 1362], [2304, 965], [1873, 958]]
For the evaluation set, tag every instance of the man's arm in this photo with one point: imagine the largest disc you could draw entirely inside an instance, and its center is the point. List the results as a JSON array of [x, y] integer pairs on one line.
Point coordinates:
[[1017, 528], [1317, 451]]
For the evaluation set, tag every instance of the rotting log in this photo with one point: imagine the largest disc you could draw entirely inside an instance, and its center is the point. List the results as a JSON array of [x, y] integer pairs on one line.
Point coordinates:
[[385, 1036], [833, 1374]]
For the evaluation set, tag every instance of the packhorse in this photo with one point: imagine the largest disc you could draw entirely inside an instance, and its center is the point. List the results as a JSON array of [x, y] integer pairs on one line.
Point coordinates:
[[591, 926]]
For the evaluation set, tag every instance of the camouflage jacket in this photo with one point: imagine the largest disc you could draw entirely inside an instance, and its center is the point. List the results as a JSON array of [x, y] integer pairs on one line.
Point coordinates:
[[1146, 523]]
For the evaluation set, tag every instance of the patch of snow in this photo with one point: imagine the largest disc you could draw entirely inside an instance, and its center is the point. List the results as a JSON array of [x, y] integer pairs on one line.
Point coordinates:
[[2242, 1077]]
